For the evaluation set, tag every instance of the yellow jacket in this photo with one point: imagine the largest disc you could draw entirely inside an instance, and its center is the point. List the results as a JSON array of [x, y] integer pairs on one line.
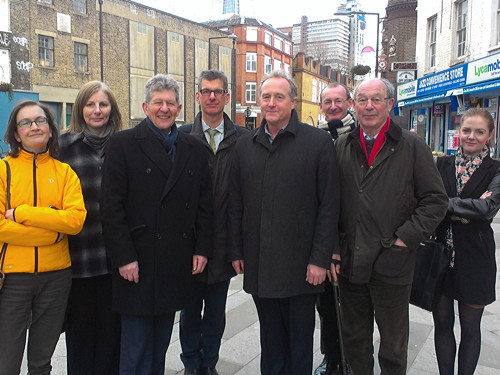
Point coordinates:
[[47, 198]]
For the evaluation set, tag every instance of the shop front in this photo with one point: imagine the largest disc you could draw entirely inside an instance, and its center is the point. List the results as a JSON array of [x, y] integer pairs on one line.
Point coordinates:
[[435, 103]]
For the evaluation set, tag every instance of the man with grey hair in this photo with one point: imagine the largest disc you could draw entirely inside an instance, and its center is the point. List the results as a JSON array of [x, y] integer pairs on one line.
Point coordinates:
[[283, 224], [157, 224], [392, 197]]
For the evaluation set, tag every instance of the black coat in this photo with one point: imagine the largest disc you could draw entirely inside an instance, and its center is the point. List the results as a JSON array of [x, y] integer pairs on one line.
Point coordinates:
[[219, 267], [400, 196], [284, 206], [473, 277], [158, 213]]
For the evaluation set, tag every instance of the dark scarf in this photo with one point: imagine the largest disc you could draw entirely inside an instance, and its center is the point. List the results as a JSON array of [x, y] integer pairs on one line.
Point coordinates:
[[339, 127], [169, 140], [97, 142]]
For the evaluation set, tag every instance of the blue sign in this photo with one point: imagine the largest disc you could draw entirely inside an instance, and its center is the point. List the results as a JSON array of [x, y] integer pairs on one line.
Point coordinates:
[[442, 81]]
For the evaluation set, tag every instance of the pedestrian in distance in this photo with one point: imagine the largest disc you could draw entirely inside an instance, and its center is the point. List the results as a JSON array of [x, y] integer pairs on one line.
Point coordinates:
[[283, 222], [157, 223], [392, 197], [203, 320], [41, 204], [472, 181], [92, 329]]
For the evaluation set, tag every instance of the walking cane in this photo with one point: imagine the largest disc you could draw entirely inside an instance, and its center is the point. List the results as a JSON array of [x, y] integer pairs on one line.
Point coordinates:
[[343, 361]]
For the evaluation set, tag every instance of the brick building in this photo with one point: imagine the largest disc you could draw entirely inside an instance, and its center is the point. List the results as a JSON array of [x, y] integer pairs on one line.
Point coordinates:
[[311, 78], [55, 48], [260, 48]]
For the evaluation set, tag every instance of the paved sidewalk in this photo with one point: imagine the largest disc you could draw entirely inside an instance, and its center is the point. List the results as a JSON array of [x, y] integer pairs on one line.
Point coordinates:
[[240, 350]]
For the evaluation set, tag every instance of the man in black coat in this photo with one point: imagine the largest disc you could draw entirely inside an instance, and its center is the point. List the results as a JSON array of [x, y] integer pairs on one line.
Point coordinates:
[[157, 223], [201, 331], [284, 205], [392, 197]]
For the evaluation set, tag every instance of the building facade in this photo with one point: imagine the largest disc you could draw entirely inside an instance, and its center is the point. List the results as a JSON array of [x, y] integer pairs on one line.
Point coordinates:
[[55, 47], [327, 41], [260, 48], [458, 68]]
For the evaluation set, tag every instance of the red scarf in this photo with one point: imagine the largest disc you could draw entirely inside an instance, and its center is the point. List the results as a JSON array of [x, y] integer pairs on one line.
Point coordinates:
[[379, 142]]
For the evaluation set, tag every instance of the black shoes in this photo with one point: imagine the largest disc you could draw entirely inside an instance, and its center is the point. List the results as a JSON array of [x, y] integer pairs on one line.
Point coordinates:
[[201, 371]]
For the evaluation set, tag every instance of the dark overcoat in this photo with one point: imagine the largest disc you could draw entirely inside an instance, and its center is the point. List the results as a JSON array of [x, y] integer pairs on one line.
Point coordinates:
[[473, 278], [219, 267], [158, 213], [400, 195], [284, 206]]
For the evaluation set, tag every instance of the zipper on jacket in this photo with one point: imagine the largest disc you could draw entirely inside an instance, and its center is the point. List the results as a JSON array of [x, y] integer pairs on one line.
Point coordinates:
[[35, 166]]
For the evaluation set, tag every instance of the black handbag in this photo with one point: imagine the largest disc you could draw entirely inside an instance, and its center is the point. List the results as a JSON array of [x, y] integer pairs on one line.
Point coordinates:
[[432, 263]]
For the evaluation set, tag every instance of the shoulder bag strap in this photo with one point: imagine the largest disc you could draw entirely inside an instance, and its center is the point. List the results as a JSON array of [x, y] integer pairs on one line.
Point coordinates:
[[4, 247]]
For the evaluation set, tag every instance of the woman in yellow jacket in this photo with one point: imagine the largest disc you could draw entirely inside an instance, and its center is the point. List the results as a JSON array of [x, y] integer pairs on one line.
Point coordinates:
[[40, 203]]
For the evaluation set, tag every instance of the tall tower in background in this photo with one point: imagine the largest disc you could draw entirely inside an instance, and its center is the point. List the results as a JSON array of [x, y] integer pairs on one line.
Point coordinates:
[[230, 6], [357, 25]]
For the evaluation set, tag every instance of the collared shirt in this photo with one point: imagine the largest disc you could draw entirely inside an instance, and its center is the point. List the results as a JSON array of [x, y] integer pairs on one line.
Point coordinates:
[[218, 137], [368, 138], [269, 135]]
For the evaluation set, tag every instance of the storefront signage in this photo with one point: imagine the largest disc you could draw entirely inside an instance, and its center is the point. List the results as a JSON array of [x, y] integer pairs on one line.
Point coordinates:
[[444, 80], [438, 109], [404, 76], [484, 69], [407, 90]]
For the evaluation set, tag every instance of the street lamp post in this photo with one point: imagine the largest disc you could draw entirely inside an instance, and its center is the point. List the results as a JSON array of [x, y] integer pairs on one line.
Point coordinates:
[[351, 13], [233, 37]]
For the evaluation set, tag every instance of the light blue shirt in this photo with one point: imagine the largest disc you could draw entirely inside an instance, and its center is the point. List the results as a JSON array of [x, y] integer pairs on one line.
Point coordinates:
[[218, 137]]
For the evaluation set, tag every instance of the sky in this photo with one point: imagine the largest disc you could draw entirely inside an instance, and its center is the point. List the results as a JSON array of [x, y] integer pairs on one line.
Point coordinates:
[[277, 13]]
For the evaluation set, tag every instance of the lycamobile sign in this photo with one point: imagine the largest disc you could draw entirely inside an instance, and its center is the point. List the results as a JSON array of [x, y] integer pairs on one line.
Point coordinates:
[[484, 69], [407, 90]]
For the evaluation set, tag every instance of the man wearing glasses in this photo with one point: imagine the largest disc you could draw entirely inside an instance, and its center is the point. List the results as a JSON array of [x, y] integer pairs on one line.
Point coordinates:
[[392, 197], [335, 102], [201, 334]]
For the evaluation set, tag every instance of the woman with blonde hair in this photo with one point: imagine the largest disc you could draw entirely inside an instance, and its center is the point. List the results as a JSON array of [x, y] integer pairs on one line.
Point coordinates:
[[92, 329], [472, 181]]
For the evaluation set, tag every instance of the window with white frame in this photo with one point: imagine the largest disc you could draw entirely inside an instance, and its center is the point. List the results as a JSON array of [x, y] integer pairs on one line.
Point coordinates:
[[286, 68], [461, 8], [45, 50], [4, 15], [251, 62], [288, 48], [498, 22], [432, 30], [314, 92], [251, 34], [278, 43], [268, 38], [81, 57], [268, 66], [80, 6], [251, 92], [277, 64]]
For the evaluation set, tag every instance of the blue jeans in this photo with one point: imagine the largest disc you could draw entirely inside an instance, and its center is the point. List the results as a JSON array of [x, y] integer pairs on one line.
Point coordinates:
[[201, 336], [144, 343]]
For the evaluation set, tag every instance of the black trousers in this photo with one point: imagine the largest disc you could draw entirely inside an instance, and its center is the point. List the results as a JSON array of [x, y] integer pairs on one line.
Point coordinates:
[[286, 334], [388, 304], [330, 346], [93, 330]]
